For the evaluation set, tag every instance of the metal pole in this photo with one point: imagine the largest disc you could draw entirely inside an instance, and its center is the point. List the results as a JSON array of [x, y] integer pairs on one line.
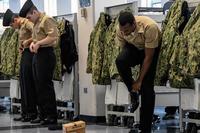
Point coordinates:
[[76, 70], [180, 113]]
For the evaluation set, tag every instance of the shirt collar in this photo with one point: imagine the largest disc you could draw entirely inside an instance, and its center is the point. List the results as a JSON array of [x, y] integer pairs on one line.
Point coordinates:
[[22, 21], [40, 17], [139, 29]]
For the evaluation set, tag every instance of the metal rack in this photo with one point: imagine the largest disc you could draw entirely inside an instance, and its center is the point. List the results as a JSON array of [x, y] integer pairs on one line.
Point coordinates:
[[4, 87], [73, 19], [182, 118]]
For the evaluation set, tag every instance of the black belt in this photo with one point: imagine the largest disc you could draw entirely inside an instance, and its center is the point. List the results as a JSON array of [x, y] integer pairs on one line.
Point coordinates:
[[45, 48]]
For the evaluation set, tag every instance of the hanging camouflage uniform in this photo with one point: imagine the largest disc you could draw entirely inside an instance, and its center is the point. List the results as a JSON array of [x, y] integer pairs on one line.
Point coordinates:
[[96, 50], [17, 61], [5, 47], [12, 51], [4, 38], [171, 25], [108, 48], [114, 50], [192, 67], [57, 72], [91, 44], [180, 75], [177, 78]]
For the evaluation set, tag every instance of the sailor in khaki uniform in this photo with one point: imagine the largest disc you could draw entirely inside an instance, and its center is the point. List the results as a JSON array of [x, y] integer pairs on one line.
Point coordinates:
[[45, 35], [28, 95], [139, 37]]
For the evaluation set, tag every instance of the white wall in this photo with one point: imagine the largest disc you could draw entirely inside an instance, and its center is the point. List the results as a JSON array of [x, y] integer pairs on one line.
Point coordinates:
[[39, 4], [92, 102], [74, 7], [63, 7], [87, 100], [101, 4], [14, 5], [50, 7]]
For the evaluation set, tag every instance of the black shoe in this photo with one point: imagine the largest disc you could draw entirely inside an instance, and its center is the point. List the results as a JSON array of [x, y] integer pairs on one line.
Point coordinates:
[[116, 121], [125, 120], [48, 121], [156, 119], [134, 131], [2, 108], [18, 118], [137, 126], [134, 101], [168, 117], [120, 108], [76, 118], [37, 120], [55, 127], [111, 119], [26, 119], [130, 121]]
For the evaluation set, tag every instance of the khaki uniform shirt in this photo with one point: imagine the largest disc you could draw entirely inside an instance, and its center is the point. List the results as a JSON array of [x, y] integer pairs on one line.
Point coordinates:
[[25, 31], [146, 35], [45, 26]]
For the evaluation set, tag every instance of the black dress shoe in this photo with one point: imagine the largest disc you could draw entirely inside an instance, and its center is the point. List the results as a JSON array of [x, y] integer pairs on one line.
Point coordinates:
[[2, 108], [137, 126], [55, 127], [48, 121], [26, 119], [76, 118], [18, 118], [134, 131], [37, 120], [134, 101]]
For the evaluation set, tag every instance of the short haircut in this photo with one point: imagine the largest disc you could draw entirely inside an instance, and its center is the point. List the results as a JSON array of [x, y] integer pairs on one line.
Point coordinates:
[[32, 8], [126, 17], [14, 16]]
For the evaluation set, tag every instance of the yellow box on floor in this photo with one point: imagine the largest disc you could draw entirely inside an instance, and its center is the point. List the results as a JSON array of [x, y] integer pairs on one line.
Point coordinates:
[[74, 127]]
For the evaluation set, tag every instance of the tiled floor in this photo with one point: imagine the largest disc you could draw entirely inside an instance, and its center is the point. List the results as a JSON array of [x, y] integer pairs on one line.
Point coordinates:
[[7, 125]]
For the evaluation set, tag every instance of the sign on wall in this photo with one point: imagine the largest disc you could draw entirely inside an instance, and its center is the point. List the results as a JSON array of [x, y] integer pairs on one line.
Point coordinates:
[[84, 3]]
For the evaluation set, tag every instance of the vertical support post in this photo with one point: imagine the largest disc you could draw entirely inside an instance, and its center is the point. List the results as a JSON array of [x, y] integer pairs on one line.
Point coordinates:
[[180, 113]]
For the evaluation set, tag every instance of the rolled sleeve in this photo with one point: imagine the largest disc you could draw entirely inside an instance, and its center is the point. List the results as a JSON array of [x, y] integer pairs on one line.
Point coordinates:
[[119, 38], [50, 27], [152, 36]]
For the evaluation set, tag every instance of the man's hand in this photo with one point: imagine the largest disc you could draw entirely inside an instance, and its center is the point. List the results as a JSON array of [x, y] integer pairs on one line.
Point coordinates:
[[21, 49], [34, 47], [31, 47], [25, 43], [136, 86]]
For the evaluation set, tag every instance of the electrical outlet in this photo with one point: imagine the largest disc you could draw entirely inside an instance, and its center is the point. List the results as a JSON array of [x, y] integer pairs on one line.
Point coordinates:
[[85, 90]]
